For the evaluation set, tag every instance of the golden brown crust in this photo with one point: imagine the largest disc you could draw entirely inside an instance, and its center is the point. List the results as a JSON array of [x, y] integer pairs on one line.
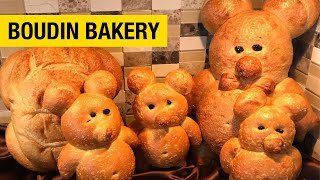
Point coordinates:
[[129, 136], [259, 165], [38, 85], [215, 12], [98, 163], [252, 138], [228, 82], [111, 65], [264, 147], [5, 74], [69, 160], [217, 108], [276, 53], [180, 80], [15, 150], [299, 16], [165, 148], [85, 125], [310, 121], [249, 102], [97, 139], [161, 110], [202, 80], [248, 68], [140, 78], [58, 97], [297, 160], [229, 150], [216, 117], [193, 131], [101, 82], [163, 114]]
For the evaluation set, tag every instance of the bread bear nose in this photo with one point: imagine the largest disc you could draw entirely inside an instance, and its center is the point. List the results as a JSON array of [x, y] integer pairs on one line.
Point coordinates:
[[273, 143], [103, 134], [248, 67]]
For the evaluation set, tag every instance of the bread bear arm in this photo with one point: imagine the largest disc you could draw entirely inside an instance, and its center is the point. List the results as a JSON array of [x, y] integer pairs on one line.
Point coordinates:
[[69, 160], [58, 97], [228, 82], [193, 131], [297, 160], [202, 81], [248, 102], [266, 84], [311, 120], [229, 150], [129, 136]]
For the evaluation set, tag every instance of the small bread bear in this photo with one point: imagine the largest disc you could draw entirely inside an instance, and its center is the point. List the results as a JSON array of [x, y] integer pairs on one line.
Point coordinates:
[[250, 48], [98, 143], [161, 109], [38, 85], [264, 148]]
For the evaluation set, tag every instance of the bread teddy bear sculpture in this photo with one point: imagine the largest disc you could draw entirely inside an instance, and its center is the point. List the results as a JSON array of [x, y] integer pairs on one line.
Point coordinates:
[[38, 85], [98, 143], [249, 49], [161, 109], [264, 148]]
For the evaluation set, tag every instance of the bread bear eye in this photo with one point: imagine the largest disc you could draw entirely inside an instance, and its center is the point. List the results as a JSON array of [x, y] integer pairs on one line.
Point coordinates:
[[261, 127], [106, 111], [169, 102], [151, 106], [280, 130], [93, 114], [257, 47], [239, 49]]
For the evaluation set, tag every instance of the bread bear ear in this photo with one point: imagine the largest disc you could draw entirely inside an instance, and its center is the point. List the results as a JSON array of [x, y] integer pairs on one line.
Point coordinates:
[[180, 80], [298, 15], [101, 82], [139, 78], [216, 12], [293, 104]]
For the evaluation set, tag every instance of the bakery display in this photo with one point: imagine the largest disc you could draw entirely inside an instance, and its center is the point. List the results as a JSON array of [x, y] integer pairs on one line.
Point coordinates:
[[242, 118], [264, 148], [38, 85], [161, 109], [98, 143], [250, 48]]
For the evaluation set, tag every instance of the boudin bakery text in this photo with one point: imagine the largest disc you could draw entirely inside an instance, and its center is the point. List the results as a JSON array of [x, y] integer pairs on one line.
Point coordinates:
[[69, 30], [84, 31]]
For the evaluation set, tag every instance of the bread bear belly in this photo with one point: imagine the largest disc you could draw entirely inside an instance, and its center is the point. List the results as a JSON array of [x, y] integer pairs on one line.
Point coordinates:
[[216, 117], [115, 163], [252, 165], [165, 147]]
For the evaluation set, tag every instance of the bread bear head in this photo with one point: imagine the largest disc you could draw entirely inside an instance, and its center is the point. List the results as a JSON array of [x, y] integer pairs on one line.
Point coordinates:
[[93, 120], [160, 105], [272, 128], [251, 43]]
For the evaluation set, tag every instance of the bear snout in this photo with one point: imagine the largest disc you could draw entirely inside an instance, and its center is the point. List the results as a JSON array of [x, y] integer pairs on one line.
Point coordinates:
[[248, 67], [103, 135], [165, 120], [273, 143]]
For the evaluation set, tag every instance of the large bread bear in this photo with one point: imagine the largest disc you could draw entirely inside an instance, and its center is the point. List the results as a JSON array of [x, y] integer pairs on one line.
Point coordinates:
[[249, 49], [38, 85], [161, 109], [264, 148], [98, 143]]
